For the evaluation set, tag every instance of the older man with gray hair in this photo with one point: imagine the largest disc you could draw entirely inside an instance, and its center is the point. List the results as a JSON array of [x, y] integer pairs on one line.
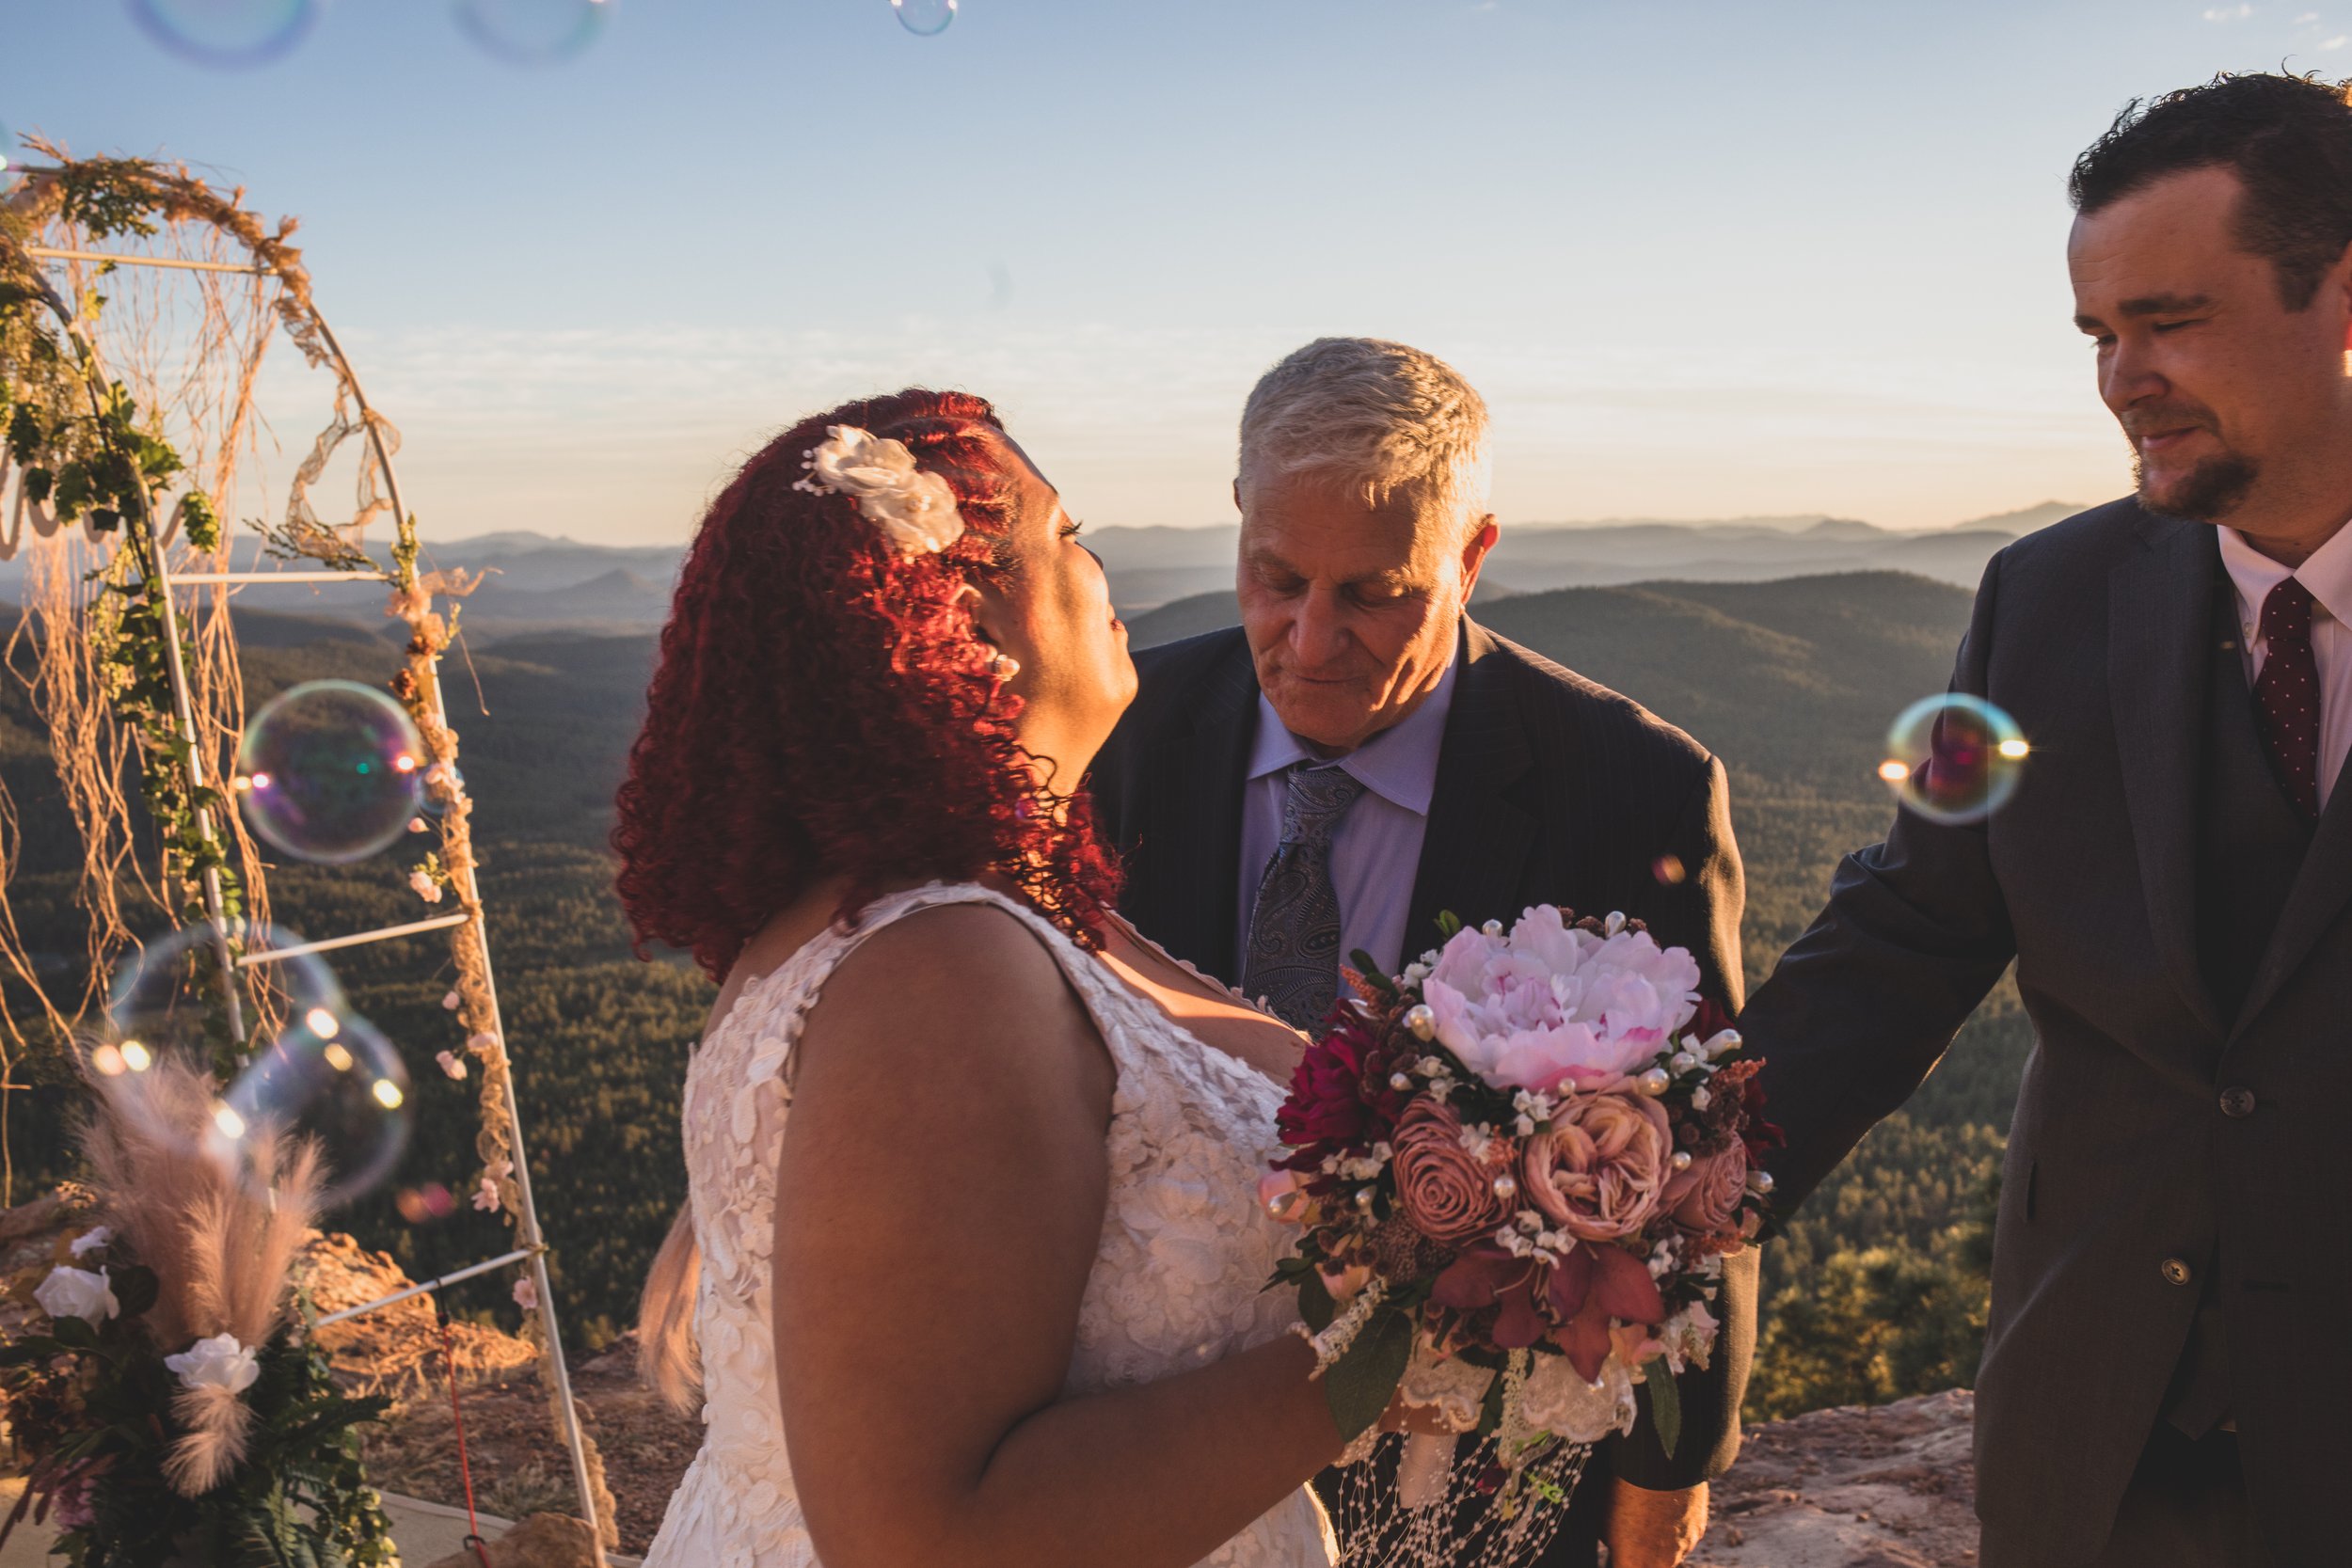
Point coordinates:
[[1360, 756]]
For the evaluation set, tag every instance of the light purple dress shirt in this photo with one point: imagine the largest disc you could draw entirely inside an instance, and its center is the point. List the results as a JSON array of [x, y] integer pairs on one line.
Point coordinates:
[[1377, 848]]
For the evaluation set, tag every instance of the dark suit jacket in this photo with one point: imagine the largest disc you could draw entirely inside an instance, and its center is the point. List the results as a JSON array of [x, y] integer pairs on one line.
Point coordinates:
[[2096, 635], [1550, 789]]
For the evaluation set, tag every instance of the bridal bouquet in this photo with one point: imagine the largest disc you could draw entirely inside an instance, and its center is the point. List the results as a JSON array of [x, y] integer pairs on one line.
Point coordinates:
[[1518, 1168]]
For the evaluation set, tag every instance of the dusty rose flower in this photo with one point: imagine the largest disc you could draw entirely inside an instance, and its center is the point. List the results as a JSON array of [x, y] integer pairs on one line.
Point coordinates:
[[1601, 1171], [1447, 1194], [1706, 1199]]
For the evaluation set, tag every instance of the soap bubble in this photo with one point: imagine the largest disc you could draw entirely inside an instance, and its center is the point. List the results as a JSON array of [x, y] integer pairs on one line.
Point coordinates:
[[332, 1078], [166, 999], [924, 17], [533, 32], [1954, 758], [329, 772], [11, 158], [1669, 871], [227, 32], [425, 1204]]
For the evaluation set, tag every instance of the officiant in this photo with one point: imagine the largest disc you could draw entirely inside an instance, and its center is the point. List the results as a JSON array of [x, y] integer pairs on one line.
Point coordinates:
[[1360, 756]]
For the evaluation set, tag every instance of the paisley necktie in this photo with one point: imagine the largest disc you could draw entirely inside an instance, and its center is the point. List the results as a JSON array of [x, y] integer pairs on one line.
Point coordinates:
[[1294, 956]]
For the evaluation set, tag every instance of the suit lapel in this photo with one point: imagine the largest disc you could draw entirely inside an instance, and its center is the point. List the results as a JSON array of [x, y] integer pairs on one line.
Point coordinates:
[[2318, 895], [1184, 869], [2159, 621], [1473, 855]]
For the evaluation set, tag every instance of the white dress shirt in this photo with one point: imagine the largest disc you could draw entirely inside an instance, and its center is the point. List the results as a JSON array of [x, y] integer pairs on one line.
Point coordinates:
[[1375, 850], [2328, 576]]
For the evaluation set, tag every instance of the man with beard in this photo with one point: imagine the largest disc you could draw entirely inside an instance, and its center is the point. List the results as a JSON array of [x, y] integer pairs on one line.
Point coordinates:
[[2164, 1381]]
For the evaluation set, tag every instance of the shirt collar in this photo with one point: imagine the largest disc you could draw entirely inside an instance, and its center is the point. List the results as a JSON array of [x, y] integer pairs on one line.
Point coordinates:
[[2327, 574], [1399, 765]]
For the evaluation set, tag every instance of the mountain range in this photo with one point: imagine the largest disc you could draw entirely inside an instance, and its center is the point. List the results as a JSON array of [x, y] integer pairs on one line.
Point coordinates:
[[534, 583]]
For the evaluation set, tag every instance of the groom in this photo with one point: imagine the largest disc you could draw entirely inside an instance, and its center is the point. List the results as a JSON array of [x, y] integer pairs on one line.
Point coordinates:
[[1359, 758], [2166, 1380]]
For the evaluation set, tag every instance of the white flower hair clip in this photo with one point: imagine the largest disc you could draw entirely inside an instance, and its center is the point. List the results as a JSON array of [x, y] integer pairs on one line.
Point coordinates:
[[915, 511]]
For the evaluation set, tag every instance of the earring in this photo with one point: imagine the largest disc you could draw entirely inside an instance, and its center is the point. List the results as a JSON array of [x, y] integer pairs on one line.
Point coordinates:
[[1004, 667]]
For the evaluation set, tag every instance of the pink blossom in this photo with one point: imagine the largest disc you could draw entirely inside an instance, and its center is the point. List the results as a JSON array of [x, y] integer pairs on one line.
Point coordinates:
[[1551, 1007], [527, 1294], [451, 1064], [485, 1196], [424, 887]]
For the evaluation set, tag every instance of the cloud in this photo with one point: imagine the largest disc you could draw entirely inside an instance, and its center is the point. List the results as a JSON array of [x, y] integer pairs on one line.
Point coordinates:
[[2228, 13], [2336, 42]]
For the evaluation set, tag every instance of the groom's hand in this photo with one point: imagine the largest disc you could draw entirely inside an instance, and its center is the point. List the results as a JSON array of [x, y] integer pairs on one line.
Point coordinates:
[[1654, 1530]]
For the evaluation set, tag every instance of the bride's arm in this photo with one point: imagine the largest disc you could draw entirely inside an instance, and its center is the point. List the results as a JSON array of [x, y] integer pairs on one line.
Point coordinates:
[[940, 1200]]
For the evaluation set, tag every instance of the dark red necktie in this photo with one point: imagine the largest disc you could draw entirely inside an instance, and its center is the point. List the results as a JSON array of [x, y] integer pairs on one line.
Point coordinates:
[[2287, 695]]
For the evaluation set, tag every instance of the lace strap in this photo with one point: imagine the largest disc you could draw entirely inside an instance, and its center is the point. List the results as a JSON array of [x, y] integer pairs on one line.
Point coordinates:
[[792, 989]]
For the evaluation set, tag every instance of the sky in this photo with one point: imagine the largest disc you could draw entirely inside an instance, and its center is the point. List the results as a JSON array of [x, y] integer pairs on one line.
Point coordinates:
[[1704, 258]]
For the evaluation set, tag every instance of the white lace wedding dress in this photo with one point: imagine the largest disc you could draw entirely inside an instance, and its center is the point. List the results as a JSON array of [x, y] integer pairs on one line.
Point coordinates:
[[1176, 1281]]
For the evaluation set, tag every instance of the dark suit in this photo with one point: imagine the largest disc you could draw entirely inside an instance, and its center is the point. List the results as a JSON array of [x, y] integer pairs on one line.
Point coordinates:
[[1550, 789], [2176, 1146]]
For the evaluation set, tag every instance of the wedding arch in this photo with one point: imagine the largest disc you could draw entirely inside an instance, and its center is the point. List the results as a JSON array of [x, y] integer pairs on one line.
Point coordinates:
[[137, 303]]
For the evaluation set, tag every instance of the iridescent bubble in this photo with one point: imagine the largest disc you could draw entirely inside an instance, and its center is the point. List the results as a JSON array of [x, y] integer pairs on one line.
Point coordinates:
[[166, 999], [1668, 870], [925, 16], [1954, 758], [329, 772], [227, 32], [332, 1078], [425, 1204], [533, 32], [12, 157]]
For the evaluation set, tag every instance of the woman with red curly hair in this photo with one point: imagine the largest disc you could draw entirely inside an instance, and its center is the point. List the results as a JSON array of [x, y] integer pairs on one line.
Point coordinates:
[[970, 1271]]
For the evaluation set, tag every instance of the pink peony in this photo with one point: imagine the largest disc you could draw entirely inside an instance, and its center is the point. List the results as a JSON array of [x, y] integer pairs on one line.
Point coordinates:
[[1448, 1195], [1551, 1007], [1601, 1171], [1706, 1199]]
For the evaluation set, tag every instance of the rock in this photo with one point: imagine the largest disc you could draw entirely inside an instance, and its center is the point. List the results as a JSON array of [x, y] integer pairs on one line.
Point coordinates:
[[541, 1541], [1891, 1486]]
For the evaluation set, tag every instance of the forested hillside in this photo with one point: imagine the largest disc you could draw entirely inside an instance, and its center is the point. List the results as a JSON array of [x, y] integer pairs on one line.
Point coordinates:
[[1791, 682]]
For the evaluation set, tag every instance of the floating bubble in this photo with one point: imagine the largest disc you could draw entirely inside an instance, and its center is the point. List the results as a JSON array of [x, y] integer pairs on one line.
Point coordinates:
[[1954, 758], [330, 771], [1668, 870], [166, 1000], [227, 32], [924, 18], [332, 1078], [533, 32], [425, 1204], [11, 158]]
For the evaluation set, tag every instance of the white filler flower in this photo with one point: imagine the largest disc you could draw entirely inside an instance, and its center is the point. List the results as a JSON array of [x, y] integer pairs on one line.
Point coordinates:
[[70, 1292], [218, 1362], [91, 1240]]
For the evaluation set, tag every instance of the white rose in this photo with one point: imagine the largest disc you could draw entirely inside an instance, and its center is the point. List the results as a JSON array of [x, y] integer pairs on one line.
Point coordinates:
[[218, 1362], [915, 511], [90, 1241], [70, 1292]]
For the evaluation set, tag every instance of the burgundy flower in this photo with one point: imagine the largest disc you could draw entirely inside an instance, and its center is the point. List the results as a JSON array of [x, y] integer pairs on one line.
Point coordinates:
[[1572, 1302], [1340, 1099]]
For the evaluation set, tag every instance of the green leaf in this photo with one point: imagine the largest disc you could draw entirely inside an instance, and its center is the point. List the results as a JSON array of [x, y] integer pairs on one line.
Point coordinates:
[[1448, 924], [73, 1333], [1665, 1408], [134, 1288], [1369, 967], [1360, 1383], [1315, 1302]]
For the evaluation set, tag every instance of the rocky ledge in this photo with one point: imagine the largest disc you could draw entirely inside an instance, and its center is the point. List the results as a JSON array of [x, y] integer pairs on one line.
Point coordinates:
[[1885, 1486]]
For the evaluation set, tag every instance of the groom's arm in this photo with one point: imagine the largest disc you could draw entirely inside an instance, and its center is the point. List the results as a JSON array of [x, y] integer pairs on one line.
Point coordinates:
[[1859, 1009]]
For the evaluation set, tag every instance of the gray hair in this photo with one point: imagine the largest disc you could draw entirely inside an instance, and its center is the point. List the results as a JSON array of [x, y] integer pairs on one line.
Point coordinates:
[[1375, 418]]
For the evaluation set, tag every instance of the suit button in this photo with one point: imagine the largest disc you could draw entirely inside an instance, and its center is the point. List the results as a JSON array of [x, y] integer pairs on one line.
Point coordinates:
[[2176, 1271], [2237, 1102]]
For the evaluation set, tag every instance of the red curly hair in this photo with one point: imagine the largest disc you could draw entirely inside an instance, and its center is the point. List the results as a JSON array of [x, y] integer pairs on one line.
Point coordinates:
[[821, 708]]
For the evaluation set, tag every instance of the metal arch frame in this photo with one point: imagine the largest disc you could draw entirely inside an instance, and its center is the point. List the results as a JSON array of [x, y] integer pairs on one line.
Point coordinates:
[[533, 1243]]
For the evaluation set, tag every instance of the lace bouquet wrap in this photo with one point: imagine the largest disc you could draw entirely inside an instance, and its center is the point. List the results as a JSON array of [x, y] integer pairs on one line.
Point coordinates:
[[1517, 1169]]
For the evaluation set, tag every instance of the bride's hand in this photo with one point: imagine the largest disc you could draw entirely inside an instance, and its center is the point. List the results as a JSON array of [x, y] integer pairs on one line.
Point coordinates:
[[1423, 1420]]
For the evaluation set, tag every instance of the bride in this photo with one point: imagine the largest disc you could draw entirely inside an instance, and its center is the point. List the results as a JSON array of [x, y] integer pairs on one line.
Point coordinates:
[[971, 1268]]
